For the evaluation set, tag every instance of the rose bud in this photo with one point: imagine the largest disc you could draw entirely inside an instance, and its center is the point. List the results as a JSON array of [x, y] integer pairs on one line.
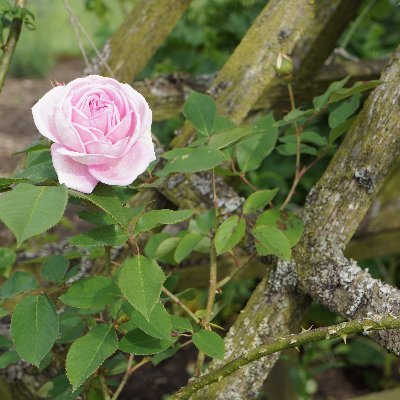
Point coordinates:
[[284, 67], [101, 131]]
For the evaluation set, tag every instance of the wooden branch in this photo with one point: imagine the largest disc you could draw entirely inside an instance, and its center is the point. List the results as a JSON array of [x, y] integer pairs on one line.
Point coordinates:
[[333, 211], [10, 45], [342, 330], [140, 35], [338, 203], [167, 93], [306, 30], [379, 233]]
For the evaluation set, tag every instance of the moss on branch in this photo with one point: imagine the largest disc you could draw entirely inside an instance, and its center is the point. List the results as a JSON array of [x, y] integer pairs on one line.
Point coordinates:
[[342, 330], [306, 30], [142, 32]]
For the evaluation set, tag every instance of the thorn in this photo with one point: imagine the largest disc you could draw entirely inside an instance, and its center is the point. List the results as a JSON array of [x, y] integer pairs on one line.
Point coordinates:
[[344, 337], [297, 349]]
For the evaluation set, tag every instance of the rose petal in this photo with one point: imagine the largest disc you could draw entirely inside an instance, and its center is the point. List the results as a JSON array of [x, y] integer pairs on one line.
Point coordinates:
[[84, 158], [73, 174], [124, 170], [128, 126], [141, 107], [67, 133], [43, 113]]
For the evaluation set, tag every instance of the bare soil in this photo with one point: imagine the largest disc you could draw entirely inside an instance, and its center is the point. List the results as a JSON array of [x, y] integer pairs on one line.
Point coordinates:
[[17, 129]]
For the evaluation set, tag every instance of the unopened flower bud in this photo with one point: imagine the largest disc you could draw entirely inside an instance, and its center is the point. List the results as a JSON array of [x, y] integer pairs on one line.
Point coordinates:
[[284, 67]]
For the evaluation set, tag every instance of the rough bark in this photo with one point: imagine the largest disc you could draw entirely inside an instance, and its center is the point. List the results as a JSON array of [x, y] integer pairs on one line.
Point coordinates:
[[338, 203], [167, 93], [379, 233], [306, 30], [140, 35], [334, 209]]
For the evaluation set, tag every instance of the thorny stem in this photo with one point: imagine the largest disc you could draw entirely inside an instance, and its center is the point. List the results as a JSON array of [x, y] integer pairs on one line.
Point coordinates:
[[213, 281], [10, 45], [181, 305], [331, 332], [298, 138]]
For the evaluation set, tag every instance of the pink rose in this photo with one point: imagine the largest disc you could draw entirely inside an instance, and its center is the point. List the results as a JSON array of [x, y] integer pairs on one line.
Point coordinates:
[[101, 131]]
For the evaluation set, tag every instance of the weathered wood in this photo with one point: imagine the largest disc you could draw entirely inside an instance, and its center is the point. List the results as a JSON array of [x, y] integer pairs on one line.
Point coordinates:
[[306, 30], [334, 209], [137, 39], [167, 93]]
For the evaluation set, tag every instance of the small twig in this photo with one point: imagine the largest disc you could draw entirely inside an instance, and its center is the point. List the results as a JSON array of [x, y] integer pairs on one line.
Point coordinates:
[[104, 388], [331, 332], [74, 22], [124, 379], [139, 365], [181, 305], [78, 27], [10, 45], [213, 281], [296, 179]]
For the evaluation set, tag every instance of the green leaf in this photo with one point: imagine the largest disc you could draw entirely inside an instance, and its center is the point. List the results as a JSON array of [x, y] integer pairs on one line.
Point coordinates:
[[180, 324], [295, 115], [58, 388], [186, 245], [105, 198], [228, 137], [5, 182], [19, 282], [159, 324], [251, 151], [159, 357], [343, 111], [138, 342], [193, 160], [38, 173], [258, 200], [110, 235], [320, 101], [288, 223], [209, 343], [140, 280], [200, 110], [7, 257], [8, 358], [290, 149], [340, 129], [306, 137], [37, 145], [222, 124], [87, 353], [166, 246], [270, 240], [229, 234], [357, 88], [54, 269], [154, 218], [71, 326], [28, 210], [34, 327], [91, 292], [115, 365], [101, 218]]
